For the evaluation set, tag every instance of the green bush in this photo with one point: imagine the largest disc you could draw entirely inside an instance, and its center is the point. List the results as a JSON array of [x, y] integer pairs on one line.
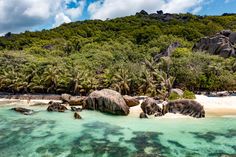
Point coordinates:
[[174, 96], [189, 95]]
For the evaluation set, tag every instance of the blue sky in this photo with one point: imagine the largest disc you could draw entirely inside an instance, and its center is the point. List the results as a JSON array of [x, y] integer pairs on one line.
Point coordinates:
[[21, 15]]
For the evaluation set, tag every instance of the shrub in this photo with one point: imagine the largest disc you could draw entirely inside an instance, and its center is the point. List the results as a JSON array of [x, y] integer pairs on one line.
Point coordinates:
[[174, 96], [189, 95]]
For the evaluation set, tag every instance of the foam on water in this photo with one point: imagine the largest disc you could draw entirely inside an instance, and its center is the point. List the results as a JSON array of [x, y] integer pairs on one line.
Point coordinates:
[[98, 134]]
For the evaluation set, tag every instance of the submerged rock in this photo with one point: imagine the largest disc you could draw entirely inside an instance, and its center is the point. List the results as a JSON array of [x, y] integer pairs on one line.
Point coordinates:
[[77, 115], [73, 100], [56, 107], [108, 101], [131, 101], [150, 106], [76, 109], [143, 115], [24, 111], [185, 107]]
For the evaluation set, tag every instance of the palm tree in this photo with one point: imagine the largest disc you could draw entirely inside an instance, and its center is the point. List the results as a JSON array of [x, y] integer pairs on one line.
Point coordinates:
[[166, 83], [51, 78], [121, 81], [147, 83]]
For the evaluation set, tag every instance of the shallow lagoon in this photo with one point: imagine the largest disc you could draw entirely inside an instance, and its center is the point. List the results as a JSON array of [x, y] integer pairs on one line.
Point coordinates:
[[98, 134]]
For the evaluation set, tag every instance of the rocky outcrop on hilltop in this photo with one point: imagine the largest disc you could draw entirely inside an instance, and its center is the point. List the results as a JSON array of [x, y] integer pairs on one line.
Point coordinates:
[[223, 44], [164, 17], [108, 101]]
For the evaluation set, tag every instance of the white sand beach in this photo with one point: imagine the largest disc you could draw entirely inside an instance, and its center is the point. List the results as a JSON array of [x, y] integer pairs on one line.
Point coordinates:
[[214, 106]]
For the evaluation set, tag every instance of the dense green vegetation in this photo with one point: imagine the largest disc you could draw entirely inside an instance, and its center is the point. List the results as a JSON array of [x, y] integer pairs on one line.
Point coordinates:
[[83, 56]]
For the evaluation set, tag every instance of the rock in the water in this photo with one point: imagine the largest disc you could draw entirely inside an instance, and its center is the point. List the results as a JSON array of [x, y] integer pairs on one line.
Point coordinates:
[[73, 100], [131, 101], [24, 111], [220, 44], [56, 107], [185, 107], [77, 115], [150, 106], [76, 109], [108, 101], [143, 115]]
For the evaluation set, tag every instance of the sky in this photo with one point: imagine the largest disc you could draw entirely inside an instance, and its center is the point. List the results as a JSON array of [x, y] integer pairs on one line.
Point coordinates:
[[31, 15]]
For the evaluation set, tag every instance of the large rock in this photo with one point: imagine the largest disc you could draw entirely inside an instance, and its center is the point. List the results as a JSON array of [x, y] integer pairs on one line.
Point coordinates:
[[150, 106], [108, 101], [24, 111], [177, 91], [232, 37], [168, 51], [220, 44], [131, 101], [56, 107], [73, 100], [185, 107]]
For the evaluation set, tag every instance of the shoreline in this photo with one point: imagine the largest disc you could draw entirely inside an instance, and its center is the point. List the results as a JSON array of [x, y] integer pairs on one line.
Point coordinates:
[[214, 106]]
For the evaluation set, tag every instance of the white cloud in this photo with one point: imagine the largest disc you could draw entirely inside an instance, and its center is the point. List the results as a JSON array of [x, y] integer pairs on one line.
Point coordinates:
[[74, 13], [197, 9], [20, 15], [109, 8], [227, 1], [60, 19], [177, 6]]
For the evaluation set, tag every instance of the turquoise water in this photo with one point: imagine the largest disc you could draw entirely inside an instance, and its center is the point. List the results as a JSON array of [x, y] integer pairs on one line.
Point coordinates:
[[59, 134]]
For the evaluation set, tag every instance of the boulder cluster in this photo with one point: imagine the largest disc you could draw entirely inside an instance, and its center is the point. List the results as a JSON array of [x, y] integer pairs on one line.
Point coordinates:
[[110, 101], [222, 43], [163, 17], [185, 107]]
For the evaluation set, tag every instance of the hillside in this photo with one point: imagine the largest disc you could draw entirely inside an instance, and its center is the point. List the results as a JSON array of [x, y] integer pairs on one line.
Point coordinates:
[[83, 56]]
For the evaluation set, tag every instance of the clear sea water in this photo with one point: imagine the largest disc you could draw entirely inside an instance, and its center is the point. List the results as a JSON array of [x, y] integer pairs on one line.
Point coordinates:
[[60, 135]]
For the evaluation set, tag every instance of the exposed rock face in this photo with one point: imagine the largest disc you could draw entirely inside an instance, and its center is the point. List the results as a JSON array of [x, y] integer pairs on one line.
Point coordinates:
[[185, 107], [131, 101], [77, 115], [108, 101], [56, 107], [24, 111], [166, 53], [73, 100], [164, 17], [150, 106], [143, 115], [220, 44], [177, 91]]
